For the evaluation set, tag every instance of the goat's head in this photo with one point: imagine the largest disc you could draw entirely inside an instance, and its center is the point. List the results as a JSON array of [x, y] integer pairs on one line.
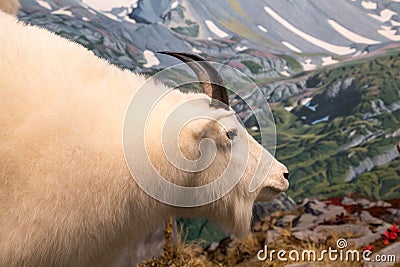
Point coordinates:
[[196, 140]]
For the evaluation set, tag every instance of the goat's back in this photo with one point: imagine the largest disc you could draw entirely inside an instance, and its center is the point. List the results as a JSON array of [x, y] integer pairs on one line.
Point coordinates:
[[63, 179]]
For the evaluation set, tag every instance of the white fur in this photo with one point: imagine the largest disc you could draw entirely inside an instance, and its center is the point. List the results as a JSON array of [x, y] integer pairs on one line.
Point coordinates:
[[66, 195]]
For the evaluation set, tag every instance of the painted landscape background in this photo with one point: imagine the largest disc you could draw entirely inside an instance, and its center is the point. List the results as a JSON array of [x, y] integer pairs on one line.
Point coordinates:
[[331, 74]]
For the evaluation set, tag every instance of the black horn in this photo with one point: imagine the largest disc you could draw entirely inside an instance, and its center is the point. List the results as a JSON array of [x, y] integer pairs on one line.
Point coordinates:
[[210, 81]]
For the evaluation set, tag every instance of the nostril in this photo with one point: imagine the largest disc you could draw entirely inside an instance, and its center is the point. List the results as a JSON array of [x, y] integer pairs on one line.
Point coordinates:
[[286, 175]]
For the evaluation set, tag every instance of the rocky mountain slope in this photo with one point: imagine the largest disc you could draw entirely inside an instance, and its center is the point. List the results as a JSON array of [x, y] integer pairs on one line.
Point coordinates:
[[340, 134], [132, 43], [337, 127], [341, 223], [264, 40]]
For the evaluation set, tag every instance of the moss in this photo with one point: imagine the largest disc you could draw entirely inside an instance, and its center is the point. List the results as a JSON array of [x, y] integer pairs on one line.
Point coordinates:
[[191, 30], [292, 63], [253, 66]]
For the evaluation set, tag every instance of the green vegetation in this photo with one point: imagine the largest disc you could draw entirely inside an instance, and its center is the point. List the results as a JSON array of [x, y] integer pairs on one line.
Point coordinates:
[[191, 30], [292, 63], [180, 10], [201, 229], [253, 66], [320, 156]]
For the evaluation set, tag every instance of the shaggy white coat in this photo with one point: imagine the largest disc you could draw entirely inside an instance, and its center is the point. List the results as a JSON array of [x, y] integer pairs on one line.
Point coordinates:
[[67, 197]]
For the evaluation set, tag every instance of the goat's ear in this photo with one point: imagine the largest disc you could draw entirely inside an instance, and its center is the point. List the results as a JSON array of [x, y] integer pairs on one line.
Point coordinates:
[[206, 128], [198, 128]]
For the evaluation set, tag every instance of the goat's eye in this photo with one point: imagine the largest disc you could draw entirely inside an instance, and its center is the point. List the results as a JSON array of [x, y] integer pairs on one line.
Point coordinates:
[[231, 134]]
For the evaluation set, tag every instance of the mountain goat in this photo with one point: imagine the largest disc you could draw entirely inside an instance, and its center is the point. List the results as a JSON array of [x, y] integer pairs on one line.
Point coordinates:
[[67, 197]]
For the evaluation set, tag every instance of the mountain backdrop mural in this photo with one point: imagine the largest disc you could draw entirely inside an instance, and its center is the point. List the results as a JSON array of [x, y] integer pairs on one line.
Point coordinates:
[[329, 69]]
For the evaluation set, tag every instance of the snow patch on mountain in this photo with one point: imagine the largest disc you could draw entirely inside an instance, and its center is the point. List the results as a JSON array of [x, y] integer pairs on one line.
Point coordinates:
[[111, 16], [394, 23], [289, 108], [305, 101], [197, 51], [151, 59], [389, 33], [214, 29], [107, 5], [352, 36], [328, 61], [241, 48], [339, 50], [359, 53], [369, 5], [307, 65], [63, 11], [312, 108], [262, 28], [385, 15], [291, 47], [324, 119], [174, 5], [44, 4]]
